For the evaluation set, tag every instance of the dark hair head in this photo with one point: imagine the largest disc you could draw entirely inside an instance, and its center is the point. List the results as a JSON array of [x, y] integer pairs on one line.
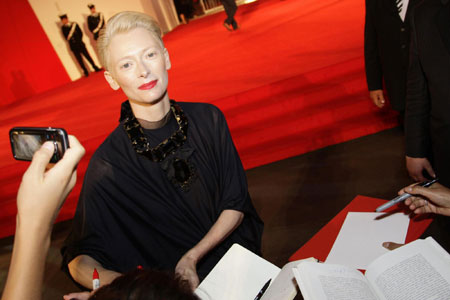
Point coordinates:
[[145, 285]]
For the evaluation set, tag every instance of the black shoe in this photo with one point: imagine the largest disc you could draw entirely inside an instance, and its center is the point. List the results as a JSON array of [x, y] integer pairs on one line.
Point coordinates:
[[97, 69], [228, 26], [86, 74]]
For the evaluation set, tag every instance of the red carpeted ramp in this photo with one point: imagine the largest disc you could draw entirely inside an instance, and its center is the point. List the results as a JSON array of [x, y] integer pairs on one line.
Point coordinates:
[[290, 80]]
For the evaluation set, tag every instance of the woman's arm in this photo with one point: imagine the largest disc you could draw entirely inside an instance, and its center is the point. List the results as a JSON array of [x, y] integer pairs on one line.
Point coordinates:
[[82, 267], [227, 222], [41, 195]]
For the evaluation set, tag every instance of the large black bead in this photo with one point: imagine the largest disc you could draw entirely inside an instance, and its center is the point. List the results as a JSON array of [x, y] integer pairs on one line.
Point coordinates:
[[182, 170]]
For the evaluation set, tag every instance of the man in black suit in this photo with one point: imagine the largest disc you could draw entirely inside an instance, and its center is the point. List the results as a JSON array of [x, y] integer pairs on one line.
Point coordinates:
[[96, 21], [386, 50], [74, 35], [427, 118]]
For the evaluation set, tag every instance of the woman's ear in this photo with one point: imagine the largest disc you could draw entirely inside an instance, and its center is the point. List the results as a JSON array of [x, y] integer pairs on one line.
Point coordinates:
[[112, 83], [167, 59]]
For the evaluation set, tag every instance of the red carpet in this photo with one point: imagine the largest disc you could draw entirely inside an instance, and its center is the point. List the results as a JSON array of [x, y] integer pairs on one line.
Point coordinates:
[[290, 80]]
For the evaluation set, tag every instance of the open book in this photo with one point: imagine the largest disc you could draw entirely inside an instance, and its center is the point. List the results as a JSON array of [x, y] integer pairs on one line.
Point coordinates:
[[240, 274], [417, 271]]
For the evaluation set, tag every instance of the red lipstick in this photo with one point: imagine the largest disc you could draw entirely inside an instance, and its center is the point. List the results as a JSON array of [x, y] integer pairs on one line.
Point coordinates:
[[149, 85]]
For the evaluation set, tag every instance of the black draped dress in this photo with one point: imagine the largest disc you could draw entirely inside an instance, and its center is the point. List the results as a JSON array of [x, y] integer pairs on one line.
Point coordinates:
[[131, 213]]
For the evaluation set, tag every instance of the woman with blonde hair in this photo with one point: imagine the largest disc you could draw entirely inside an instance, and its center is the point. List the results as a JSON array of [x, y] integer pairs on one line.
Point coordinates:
[[166, 190]]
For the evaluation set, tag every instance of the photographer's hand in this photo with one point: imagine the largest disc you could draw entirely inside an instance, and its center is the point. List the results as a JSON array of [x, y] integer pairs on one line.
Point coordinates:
[[41, 195]]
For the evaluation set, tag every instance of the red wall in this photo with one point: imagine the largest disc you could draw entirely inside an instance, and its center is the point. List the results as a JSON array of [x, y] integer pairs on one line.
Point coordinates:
[[28, 63]]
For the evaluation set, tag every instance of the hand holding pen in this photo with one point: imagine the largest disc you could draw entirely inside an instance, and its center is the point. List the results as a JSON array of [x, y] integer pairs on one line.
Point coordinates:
[[435, 199], [404, 196]]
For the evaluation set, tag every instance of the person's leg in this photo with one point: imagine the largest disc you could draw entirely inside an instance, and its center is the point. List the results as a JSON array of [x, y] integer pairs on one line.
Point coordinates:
[[80, 62], [227, 5], [230, 9], [89, 58], [234, 9]]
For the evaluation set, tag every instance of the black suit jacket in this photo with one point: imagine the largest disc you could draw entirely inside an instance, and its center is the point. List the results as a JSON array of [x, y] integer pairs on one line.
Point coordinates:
[[75, 41], [94, 21], [427, 118], [386, 49]]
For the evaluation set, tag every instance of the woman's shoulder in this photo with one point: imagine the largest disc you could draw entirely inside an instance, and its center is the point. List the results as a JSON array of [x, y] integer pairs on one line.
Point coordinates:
[[114, 141], [201, 111]]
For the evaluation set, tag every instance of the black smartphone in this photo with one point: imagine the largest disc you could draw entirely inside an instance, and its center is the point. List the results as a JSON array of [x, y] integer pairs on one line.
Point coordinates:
[[26, 140]]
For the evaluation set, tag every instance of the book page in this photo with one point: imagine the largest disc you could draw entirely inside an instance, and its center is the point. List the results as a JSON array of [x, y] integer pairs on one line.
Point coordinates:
[[417, 271], [284, 286], [319, 281], [239, 275], [360, 239]]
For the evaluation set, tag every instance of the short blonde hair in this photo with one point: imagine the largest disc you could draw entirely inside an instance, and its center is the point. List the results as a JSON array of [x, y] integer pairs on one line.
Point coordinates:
[[124, 22]]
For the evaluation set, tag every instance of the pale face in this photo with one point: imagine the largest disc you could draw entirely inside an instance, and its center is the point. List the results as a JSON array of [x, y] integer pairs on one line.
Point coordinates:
[[138, 65]]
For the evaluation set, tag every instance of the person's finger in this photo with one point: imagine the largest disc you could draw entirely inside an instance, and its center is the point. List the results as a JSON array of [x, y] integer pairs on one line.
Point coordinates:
[[70, 185], [378, 101], [391, 245], [381, 99], [419, 190], [71, 157], [41, 158], [77, 296], [430, 170]]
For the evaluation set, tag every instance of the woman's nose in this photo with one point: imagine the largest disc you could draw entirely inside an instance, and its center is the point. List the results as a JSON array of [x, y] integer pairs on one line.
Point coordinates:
[[143, 70]]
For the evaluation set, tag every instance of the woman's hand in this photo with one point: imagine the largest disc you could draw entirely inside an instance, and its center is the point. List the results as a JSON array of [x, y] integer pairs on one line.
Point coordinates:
[[186, 269]]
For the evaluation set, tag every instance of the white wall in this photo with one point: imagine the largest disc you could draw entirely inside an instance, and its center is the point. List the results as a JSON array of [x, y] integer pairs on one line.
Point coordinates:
[[47, 12]]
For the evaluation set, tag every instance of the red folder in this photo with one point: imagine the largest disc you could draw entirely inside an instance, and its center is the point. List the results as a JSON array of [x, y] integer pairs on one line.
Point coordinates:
[[320, 244]]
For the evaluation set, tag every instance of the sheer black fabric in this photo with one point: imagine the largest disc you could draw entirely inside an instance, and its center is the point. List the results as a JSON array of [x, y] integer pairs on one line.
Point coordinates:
[[131, 213]]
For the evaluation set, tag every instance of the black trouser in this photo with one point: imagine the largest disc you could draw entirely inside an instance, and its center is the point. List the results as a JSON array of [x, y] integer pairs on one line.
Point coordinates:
[[81, 49], [230, 9]]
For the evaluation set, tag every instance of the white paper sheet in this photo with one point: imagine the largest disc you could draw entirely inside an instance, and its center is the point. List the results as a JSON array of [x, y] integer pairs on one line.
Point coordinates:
[[359, 240], [239, 275]]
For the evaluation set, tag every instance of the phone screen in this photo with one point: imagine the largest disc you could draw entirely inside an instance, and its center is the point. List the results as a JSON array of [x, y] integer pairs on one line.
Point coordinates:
[[26, 144], [27, 140]]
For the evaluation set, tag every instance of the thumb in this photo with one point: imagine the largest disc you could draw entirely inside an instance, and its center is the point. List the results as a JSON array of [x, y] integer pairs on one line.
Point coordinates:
[[391, 245], [430, 170], [41, 158]]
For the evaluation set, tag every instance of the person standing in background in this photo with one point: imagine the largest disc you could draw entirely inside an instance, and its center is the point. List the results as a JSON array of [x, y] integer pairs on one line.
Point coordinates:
[[96, 21], [74, 36], [427, 120], [386, 50], [185, 10], [230, 9]]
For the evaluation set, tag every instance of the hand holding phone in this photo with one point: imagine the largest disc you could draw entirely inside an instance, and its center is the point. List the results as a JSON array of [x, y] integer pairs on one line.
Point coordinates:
[[27, 140]]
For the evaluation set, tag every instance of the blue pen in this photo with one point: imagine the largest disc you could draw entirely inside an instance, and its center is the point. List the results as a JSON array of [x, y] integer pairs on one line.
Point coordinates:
[[404, 196]]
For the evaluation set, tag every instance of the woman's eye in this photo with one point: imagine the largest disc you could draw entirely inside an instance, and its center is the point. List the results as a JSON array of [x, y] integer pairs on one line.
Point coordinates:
[[151, 54], [126, 65]]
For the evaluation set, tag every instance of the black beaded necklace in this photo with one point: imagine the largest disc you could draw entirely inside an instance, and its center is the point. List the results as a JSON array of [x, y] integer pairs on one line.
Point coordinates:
[[178, 169], [140, 142]]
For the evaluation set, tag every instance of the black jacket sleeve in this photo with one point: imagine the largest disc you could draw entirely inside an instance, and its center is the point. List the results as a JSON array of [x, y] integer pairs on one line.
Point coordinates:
[[374, 75], [417, 114]]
